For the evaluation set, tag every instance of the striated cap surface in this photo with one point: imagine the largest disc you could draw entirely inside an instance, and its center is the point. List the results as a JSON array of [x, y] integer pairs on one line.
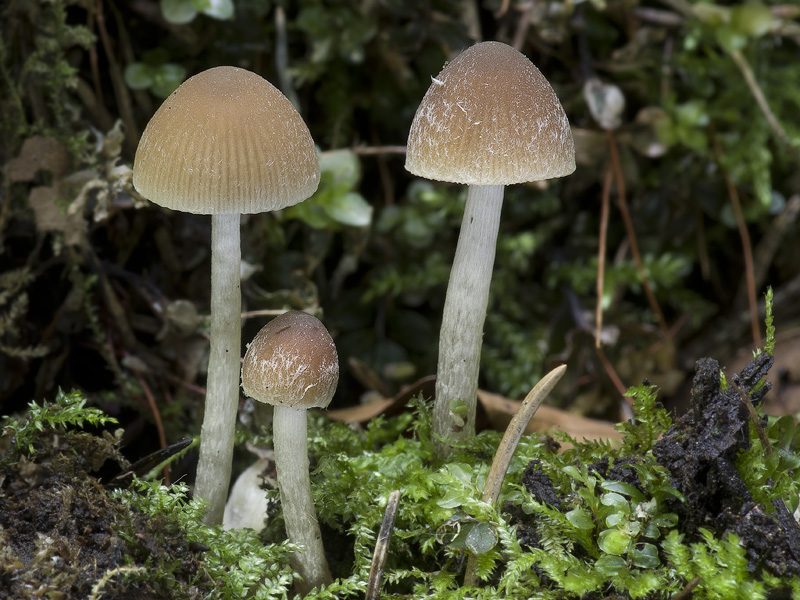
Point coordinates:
[[226, 141], [292, 362], [490, 118]]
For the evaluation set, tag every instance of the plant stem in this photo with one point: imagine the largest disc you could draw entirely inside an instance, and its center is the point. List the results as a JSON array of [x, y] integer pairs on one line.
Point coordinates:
[[461, 335], [631, 232], [601, 256], [222, 396], [290, 431]]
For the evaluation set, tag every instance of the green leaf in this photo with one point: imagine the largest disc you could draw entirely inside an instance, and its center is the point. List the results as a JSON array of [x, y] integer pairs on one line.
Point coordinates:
[[752, 19], [616, 518], [610, 565], [451, 499], [460, 471], [645, 556], [730, 39], [615, 500], [667, 520], [343, 166], [138, 76], [613, 541], [349, 209], [167, 78], [782, 431], [178, 12], [219, 9], [481, 538], [581, 518], [623, 488]]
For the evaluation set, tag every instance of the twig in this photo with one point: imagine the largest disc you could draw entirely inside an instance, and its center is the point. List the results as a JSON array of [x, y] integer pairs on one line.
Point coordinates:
[[686, 592], [601, 255], [523, 23], [382, 547], [758, 95], [625, 405], [626, 217], [118, 83], [376, 150], [768, 245], [151, 401], [747, 248], [508, 445], [702, 246]]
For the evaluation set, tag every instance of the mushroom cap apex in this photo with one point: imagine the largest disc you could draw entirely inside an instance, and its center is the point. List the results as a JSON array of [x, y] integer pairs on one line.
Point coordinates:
[[226, 141], [490, 118], [292, 362]]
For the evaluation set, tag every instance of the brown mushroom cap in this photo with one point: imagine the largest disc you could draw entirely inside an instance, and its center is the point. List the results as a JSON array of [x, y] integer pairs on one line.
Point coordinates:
[[490, 118], [291, 362], [226, 141]]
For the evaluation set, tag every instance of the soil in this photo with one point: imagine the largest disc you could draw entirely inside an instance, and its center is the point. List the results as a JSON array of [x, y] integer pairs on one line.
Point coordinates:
[[699, 451], [62, 530]]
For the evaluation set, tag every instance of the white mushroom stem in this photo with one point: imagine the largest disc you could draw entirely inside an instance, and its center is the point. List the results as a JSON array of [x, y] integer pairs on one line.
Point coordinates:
[[290, 429], [461, 334], [222, 387]]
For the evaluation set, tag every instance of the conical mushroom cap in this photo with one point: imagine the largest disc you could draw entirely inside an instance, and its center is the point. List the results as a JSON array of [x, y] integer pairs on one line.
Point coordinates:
[[490, 118], [291, 362], [226, 141]]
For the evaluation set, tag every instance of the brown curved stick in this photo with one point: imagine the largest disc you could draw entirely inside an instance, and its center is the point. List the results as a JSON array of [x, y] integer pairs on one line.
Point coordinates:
[[382, 547], [508, 445]]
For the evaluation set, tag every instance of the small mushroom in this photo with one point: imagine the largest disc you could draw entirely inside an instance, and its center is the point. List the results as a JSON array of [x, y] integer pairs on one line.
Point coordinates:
[[226, 142], [292, 364], [489, 119]]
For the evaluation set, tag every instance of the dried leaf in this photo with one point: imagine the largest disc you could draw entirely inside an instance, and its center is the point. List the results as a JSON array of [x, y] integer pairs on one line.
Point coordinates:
[[38, 153], [606, 103], [50, 216]]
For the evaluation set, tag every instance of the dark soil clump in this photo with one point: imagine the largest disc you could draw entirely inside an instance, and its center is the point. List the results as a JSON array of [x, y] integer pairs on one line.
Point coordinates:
[[699, 451], [64, 535]]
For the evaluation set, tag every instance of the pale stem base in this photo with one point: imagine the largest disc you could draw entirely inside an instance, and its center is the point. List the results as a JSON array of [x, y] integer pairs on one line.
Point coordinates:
[[290, 430], [222, 388], [461, 336]]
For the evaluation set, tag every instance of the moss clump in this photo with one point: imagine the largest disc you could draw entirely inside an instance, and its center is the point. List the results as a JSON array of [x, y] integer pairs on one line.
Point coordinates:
[[66, 534]]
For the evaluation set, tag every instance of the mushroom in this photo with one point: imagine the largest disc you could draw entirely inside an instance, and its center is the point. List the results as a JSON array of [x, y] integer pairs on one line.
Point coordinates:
[[225, 143], [292, 364], [489, 119]]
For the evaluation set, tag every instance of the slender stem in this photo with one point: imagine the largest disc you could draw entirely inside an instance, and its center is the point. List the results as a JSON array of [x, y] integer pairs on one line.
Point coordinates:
[[222, 395], [631, 232], [290, 430], [601, 255], [761, 100], [747, 247], [461, 335]]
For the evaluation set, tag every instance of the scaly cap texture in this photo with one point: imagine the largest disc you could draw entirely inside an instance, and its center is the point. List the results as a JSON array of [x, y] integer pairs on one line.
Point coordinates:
[[226, 141], [490, 118], [292, 362]]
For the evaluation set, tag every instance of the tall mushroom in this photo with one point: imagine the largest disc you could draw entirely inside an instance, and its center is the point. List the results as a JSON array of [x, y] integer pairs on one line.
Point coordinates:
[[226, 142], [292, 364], [489, 119]]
